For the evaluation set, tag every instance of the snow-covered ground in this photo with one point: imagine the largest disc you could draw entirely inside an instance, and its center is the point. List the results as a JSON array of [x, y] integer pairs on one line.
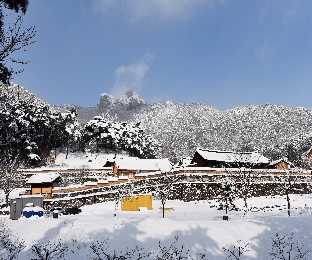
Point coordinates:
[[196, 225], [79, 160]]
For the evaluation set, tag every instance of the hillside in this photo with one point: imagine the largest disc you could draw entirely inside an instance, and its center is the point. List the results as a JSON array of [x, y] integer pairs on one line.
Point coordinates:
[[179, 128], [15, 92], [273, 130]]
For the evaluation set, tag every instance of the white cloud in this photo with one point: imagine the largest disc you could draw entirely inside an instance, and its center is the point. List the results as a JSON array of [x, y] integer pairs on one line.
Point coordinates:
[[131, 77], [157, 9], [261, 51], [288, 12], [265, 49], [291, 14]]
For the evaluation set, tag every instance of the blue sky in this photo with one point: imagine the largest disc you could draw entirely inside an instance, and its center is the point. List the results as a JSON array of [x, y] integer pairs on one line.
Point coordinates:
[[222, 53]]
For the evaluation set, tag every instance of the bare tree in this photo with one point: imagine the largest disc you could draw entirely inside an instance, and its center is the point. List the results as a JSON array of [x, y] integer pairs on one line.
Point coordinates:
[[49, 250], [288, 182], [10, 246], [102, 252], [14, 39], [9, 176], [164, 187], [246, 178], [228, 194], [172, 252], [123, 191], [237, 251], [285, 248]]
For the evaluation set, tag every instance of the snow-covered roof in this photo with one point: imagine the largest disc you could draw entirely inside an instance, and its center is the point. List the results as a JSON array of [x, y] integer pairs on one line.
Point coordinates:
[[103, 181], [43, 178], [280, 160], [31, 196], [90, 183], [75, 186], [232, 157], [110, 178], [134, 163]]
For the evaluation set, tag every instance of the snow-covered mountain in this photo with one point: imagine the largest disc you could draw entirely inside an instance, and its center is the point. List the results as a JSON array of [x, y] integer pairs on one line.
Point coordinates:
[[275, 131]]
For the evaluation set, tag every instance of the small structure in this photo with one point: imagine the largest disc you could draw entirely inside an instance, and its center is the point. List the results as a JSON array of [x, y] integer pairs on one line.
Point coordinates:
[[18, 204], [133, 203], [185, 162], [281, 164], [129, 166], [166, 210], [220, 159], [43, 183]]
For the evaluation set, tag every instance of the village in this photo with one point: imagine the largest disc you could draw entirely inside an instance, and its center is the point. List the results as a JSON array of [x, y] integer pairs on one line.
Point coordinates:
[[192, 179], [61, 208], [157, 130]]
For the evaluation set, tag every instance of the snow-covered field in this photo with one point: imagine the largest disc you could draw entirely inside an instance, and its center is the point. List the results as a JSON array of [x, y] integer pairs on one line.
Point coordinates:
[[197, 226]]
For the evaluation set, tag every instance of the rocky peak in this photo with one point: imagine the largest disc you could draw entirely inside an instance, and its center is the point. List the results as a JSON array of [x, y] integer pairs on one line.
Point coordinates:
[[131, 100], [128, 101], [106, 100]]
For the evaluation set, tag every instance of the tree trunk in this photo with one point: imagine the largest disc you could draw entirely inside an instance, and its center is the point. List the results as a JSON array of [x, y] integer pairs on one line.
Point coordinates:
[[163, 204], [67, 150], [288, 202], [55, 149], [7, 199], [226, 206]]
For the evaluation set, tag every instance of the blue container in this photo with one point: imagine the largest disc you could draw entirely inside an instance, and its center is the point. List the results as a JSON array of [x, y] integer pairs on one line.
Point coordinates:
[[28, 214], [39, 213]]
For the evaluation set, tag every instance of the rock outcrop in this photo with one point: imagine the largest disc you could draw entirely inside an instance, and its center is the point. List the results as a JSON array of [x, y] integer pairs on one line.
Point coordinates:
[[107, 100], [131, 100], [128, 101]]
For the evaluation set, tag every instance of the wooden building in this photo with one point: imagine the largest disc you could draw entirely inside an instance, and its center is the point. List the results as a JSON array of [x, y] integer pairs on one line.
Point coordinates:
[[43, 183], [129, 166], [228, 159], [281, 164]]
